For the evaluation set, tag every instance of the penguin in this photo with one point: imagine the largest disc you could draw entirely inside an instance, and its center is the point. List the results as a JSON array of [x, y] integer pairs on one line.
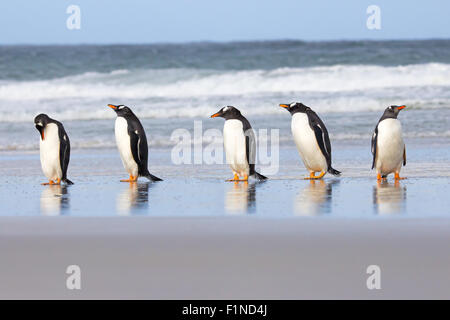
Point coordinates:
[[240, 144], [312, 140], [388, 148], [132, 144], [54, 149]]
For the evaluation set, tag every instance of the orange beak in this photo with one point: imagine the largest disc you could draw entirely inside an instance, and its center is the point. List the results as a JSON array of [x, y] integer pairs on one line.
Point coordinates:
[[112, 106], [42, 135], [215, 115], [284, 105], [401, 107]]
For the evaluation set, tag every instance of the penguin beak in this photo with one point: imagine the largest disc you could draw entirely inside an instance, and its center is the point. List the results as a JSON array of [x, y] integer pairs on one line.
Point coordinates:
[[218, 114], [284, 105], [401, 107], [112, 106]]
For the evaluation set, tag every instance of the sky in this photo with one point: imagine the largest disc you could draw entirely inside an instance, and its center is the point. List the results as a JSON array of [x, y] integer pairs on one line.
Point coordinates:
[[173, 21]]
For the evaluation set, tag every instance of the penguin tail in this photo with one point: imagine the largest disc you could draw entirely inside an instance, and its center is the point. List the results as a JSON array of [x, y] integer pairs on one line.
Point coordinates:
[[67, 181], [151, 177], [259, 176], [334, 172]]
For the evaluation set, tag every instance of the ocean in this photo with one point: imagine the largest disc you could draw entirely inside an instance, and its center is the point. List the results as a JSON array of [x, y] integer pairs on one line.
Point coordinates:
[[348, 83]]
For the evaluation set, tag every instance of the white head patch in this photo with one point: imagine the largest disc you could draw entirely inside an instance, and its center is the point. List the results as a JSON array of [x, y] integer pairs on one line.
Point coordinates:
[[225, 109], [293, 104]]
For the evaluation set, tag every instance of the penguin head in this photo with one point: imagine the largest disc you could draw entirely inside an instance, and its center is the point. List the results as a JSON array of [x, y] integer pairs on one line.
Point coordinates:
[[227, 112], [392, 111], [294, 107], [121, 110], [40, 122]]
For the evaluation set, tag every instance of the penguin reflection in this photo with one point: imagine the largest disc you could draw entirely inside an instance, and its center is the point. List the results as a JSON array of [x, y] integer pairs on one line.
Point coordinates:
[[133, 199], [240, 198], [54, 200], [315, 198], [389, 198]]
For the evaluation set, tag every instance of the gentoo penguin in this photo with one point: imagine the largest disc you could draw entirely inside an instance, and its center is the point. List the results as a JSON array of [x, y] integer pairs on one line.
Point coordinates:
[[388, 148], [132, 144], [311, 138], [54, 149], [240, 145]]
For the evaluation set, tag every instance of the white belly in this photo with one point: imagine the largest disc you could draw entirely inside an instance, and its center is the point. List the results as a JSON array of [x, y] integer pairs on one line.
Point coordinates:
[[390, 147], [49, 150], [123, 144], [235, 150], [307, 145]]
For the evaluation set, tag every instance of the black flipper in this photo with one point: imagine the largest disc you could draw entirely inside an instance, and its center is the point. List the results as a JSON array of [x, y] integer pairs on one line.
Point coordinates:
[[404, 156], [64, 151], [134, 140], [250, 149], [374, 146]]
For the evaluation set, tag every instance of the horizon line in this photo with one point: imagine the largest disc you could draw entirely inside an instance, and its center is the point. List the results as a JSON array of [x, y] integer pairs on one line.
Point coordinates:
[[222, 42]]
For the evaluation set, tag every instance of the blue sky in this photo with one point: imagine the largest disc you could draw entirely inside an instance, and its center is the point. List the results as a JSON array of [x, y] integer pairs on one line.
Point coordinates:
[[135, 21]]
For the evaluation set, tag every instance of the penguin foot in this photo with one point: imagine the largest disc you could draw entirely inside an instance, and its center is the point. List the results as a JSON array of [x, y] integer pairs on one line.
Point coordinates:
[[381, 178], [236, 178], [52, 183], [397, 177], [132, 179], [312, 176]]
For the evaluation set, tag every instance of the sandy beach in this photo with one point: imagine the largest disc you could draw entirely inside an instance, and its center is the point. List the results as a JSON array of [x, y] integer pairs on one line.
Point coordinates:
[[224, 258]]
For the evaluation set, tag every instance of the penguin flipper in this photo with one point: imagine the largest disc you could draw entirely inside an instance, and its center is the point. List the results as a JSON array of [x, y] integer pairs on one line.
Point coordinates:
[[320, 137], [64, 152], [134, 145], [374, 146], [404, 156]]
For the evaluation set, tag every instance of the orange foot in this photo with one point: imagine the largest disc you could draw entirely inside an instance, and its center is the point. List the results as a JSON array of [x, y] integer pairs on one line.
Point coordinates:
[[380, 178], [51, 182], [236, 178], [312, 176], [397, 177], [132, 179]]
